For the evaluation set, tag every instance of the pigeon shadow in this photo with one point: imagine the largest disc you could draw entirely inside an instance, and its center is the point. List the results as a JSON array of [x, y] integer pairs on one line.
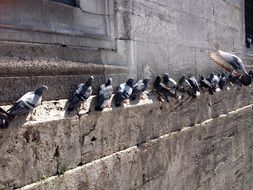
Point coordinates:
[[18, 121], [93, 104], [70, 113], [135, 101]]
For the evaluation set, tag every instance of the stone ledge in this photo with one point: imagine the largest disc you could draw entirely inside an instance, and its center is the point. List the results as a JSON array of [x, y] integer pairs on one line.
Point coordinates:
[[25, 68], [214, 154], [58, 142]]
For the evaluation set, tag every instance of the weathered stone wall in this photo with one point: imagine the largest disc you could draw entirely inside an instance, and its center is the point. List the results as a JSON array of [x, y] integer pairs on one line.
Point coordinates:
[[201, 143], [151, 37], [175, 35]]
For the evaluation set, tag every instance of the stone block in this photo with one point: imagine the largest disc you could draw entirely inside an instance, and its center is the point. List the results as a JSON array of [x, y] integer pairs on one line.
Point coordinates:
[[202, 157]]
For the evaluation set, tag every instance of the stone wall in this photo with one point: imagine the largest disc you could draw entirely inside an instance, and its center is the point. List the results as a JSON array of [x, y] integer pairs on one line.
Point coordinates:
[[202, 143], [175, 35], [197, 144], [151, 37]]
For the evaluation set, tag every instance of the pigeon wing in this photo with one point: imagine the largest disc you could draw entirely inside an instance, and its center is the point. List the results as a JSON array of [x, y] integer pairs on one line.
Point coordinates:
[[106, 91], [218, 59], [172, 83], [20, 108], [88, 92]]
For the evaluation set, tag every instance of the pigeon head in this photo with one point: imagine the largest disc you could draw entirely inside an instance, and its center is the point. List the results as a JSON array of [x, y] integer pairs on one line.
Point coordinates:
[[165, 77], [145, 81], [158, 80], [109, 82], [89, 81], [211, 75], [246, 79], [41, 90], [130, 82]]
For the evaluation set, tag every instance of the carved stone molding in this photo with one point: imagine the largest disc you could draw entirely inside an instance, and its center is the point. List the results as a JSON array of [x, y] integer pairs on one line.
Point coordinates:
[[23, 68], [49, 22]]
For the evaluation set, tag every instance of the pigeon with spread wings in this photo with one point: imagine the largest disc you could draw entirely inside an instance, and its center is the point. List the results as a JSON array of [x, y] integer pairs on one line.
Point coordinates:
[[232, 64]]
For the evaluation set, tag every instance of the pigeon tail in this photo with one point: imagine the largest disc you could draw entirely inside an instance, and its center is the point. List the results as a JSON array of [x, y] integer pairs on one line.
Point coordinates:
[[117, 104], [70, 109]]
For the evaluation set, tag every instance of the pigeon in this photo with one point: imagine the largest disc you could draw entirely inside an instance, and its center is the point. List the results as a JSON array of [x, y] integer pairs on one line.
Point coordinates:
[[232, 64], [234, 80], [183, 84], [124, 92], [222, 81], [162, 91], [139, 88], [81, 94], [169, 82], [214, 81], [105, 94], [205, 84], [185, 87], [27, 103], [194, 91], [4, 119]]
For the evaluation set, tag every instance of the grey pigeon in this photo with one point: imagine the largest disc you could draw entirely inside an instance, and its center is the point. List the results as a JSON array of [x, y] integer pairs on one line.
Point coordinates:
[[169, 82], [184, 86], [223, 81], [4, 119], [214, 81], [27, 103], [162, 90], [105, 94], [81, 94], [234, 80], [232, 64], [124, 92], [139, 88], [205, 84], [194, 91]]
